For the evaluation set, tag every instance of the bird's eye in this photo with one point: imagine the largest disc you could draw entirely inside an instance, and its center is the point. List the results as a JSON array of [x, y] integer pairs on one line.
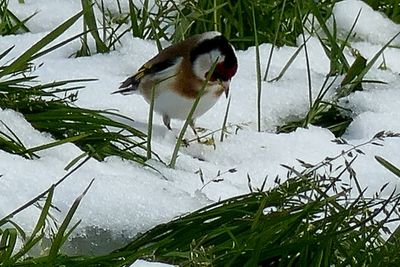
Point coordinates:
[[214, 76]]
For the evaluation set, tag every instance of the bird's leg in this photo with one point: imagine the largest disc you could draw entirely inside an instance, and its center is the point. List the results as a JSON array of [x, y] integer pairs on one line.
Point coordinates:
[[167, 121], [191, 124]]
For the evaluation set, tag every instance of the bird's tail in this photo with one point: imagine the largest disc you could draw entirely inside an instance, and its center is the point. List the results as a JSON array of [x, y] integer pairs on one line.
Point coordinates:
[[129, 86]]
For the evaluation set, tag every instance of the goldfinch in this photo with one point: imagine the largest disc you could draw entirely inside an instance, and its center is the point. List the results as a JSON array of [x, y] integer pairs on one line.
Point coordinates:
[[179, 72]]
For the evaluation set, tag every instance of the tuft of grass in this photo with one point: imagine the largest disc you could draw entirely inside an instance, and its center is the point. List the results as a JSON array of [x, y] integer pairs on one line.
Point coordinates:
[[12, 254], [314, 218], [328, 113], [330, 43], [390, 8], [9, 22], [235, 19], [87, 129], [152, 20], [9, 142], [106, 31], [278, 22], [90, 26], [49, 108]]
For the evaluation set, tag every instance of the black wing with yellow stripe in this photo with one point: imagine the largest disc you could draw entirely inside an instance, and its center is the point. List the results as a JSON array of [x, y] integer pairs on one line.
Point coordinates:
[[131, 84]]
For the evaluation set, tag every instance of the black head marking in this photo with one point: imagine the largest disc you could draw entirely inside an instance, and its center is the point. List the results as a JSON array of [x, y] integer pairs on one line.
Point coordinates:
[[219, 42]]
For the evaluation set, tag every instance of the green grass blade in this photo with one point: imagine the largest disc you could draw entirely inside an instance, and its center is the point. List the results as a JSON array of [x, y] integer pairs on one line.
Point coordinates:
[[23, 60], [7, 245], [189, 117], [389, 166], [223, 128], [374, 59], [274, 42], [20, 24], [8, 50], [258, 69], [90, 21], [57, 143], [66, 41], [150, 122], [59, 239], [40, 225], [336, 51], [289, 62]]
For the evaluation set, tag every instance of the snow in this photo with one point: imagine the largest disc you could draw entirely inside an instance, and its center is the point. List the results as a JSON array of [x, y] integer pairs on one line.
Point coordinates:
[[142, 263], [371, 26], [126, 198]]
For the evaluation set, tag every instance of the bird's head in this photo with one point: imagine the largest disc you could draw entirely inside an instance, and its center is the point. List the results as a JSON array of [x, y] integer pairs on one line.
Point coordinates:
[[214, 48]]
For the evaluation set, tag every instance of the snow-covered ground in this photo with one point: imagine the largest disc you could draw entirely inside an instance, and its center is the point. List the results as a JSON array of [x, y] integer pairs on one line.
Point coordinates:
[[127, 198]]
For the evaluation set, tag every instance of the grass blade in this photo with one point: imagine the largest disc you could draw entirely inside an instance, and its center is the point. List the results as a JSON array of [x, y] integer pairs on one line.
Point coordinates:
[[21, 62], [389, 166], [258, 69], [223, 128], [60, 236], [150, 122], [90, 22], [189, 117]]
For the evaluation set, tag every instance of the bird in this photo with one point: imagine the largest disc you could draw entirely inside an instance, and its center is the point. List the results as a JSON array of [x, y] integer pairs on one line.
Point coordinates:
[[179, 72]]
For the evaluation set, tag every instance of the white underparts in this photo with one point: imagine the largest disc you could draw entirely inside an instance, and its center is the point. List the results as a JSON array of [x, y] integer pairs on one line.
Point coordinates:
[[176, 106]]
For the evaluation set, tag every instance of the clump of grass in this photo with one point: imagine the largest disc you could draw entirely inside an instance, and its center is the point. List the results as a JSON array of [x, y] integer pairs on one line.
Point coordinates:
[[150, 20], [88, 129], [235, 20], [90, 26], [390, 8], [47, 111], [174, 21], [12, 254], [10, 143], [107, 30], [313, 218], [329, 113], [154, 21], [9, 22]]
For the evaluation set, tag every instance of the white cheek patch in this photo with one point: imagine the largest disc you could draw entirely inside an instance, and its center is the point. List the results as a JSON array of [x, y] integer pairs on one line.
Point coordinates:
[[204, 62]]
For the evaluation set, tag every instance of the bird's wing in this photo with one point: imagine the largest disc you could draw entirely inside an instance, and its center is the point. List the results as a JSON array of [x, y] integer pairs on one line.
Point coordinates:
[[159, 64]]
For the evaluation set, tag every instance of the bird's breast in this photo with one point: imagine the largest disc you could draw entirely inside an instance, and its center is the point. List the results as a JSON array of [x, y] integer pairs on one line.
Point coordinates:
[[175, 105]]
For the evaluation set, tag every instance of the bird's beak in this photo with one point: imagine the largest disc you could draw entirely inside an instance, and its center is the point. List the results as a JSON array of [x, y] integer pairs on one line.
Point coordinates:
[[225, 86]]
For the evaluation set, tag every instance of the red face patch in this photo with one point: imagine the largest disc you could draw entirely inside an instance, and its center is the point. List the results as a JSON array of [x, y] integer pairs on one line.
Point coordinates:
[[223, 73], [230, 72]]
